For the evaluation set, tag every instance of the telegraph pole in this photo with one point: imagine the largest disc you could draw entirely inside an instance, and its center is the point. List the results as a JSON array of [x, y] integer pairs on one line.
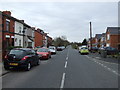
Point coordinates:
[[90, 35]]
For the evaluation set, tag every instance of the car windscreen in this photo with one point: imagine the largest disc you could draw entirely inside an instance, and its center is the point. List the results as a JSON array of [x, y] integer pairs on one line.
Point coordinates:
[[42, 50], [52, 48], [17, 52], [84, 48]]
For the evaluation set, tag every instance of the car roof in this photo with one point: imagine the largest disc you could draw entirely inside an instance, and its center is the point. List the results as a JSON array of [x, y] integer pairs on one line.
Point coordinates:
[[25, 49]]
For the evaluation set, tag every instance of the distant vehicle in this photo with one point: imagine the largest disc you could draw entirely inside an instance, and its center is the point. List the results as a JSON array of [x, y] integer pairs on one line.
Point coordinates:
[[84, 50], [59, 48], [21, 57], [44, 52], [84, 46], [63, 47], [94, 49], [52, 49]]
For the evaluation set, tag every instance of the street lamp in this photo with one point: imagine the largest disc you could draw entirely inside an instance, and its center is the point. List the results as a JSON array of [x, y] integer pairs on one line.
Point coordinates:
[[23, 35], [90, 36]]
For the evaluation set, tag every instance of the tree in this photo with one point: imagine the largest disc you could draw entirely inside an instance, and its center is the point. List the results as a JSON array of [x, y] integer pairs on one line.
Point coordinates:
[[61, 41], [84, 42]]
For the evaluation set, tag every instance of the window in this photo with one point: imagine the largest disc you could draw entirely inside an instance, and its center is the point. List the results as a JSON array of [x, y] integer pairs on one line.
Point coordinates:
[[108, 37], [20, 29], [7, 25], [19, 42]]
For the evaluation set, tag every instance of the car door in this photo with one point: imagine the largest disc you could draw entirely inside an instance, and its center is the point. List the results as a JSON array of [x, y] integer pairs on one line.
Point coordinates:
[[34, 56]]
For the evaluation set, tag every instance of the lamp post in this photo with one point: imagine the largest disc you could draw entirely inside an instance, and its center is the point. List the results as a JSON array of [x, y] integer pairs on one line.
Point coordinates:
[[90, 36], [23, 36]]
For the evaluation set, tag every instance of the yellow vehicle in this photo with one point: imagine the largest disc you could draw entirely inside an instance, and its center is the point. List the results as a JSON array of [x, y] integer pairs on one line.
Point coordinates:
[[84, 50]]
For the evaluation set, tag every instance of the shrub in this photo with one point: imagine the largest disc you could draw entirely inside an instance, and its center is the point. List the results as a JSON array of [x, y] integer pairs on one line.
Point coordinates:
[[12, 47]]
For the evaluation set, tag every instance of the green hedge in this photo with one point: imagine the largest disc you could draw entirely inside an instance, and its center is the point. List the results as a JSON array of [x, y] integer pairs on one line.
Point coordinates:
[[12, 47]]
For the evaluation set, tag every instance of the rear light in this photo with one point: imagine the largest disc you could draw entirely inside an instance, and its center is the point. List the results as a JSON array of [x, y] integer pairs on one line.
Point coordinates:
[[6, 56], [25, 58]]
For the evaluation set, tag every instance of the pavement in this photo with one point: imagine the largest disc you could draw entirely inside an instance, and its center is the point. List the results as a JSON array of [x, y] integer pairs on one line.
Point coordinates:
[[109, 58], [2, 70], [66, 69]]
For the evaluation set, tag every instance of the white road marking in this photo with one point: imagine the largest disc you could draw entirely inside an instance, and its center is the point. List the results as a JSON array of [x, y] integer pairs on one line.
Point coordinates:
[[115, 72], [65, 64], [63, 80], [66, 58]]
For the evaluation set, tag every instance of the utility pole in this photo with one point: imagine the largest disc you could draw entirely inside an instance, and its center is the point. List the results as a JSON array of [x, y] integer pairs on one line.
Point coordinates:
[[90, 35]]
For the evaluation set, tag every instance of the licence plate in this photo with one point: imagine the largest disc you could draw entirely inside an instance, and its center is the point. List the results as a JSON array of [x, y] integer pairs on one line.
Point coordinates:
[[14, 64]]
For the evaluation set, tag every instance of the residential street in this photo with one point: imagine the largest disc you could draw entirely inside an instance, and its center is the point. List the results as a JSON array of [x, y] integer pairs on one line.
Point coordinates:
[[66, 69]]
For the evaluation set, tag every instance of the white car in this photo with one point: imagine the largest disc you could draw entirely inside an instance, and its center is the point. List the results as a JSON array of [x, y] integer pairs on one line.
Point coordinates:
[[52, 49]]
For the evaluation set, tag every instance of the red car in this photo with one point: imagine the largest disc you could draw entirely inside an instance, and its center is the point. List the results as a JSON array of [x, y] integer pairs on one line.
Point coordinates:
[[44, 52]]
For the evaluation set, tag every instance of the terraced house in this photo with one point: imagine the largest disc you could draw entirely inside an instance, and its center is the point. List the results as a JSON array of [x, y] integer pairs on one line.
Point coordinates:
[[113, 37], [0, 36], [15, 32]]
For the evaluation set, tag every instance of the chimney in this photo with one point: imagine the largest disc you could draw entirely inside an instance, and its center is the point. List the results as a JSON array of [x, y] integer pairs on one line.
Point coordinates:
[[7, 12], [33, 28]]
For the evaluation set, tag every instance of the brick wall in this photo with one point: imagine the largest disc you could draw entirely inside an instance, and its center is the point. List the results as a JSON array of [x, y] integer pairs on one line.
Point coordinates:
[[0, 36], [10, 33], [38, 39], [114, 40]]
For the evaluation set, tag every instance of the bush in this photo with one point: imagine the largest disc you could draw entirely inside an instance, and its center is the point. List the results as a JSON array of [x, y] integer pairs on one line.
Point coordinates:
[[12, 47]]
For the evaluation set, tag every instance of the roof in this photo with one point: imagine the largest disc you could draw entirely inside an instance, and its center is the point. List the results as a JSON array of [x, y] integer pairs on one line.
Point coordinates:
[[15, 19], [113, 30], [22, 49], [98, 36]]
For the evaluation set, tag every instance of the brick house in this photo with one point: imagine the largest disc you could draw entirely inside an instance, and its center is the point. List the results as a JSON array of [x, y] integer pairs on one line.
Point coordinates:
[[15, 32], [38, 37], [8, 24], [45, 39], [103, 40], [97, 40], [49, 41], [0, 36], [92, 41], [113, 37]]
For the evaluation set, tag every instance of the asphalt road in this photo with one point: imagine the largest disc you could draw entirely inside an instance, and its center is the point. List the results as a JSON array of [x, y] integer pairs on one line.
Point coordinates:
[[66, 69]]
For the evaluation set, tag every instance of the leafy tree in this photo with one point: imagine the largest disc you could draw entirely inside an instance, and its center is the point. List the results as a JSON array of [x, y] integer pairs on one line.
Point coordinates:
[[84, 42], [60, 41]]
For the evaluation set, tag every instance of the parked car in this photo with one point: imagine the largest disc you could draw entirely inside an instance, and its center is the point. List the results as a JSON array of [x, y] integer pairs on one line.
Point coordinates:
[[84, 50], [44, 52], [21, 57], [36, 48], [63, 47], [94, 49], [100, 49], [111, 50], [59, 48], [52, 49]]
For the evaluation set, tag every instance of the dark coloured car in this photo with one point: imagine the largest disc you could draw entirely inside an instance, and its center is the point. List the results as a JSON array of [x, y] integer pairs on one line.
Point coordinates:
[[100, 49], [22, 57], [94, 49], [111, 51]]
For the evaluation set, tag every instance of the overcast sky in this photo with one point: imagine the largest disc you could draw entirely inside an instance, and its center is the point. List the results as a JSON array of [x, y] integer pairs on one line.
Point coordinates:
[[66, 18]]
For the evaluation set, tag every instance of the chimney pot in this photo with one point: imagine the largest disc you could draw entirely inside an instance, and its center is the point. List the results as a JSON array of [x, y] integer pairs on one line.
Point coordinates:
[[7, 12]]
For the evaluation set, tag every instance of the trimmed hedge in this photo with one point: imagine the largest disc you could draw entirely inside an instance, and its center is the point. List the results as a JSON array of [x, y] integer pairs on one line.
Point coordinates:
[[12, 47]]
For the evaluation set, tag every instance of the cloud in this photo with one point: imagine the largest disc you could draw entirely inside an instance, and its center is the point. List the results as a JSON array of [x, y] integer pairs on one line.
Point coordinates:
[[64, 18]]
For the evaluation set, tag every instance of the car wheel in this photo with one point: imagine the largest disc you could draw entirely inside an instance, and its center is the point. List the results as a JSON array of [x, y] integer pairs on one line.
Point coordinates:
[[28, 66], [38, 63], [6, 67], [50, 56]]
